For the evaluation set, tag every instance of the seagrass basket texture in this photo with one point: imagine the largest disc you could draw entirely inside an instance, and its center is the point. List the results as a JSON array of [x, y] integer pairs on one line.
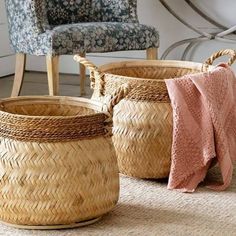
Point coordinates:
[[57, 162], [142, 122]]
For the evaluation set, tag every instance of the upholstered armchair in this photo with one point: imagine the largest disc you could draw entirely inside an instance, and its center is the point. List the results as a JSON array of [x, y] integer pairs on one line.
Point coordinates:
[[66, 27]]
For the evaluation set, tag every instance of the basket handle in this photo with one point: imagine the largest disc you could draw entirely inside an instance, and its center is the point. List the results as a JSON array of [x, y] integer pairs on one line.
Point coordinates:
[[213, 57], [92, 69], [111, 102], [116, 97]]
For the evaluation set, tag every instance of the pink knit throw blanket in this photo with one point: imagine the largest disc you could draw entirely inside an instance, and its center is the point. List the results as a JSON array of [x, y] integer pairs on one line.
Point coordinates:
[[204, 127]]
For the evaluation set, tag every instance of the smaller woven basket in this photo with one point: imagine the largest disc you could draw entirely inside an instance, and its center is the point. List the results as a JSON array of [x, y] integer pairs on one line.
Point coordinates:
[[142, 122], [57, 162]]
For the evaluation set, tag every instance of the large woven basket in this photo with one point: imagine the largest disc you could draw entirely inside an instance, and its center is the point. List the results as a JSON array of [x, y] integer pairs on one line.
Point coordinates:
[[57, 162], [142, 129]]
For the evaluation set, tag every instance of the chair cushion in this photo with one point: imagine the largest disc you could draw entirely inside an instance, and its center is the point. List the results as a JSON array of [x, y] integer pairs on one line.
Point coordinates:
[[75, 11], [102, 37], [89, 37]]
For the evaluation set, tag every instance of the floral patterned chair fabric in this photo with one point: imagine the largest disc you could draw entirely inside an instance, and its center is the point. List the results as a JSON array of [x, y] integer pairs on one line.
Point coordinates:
[[62, 27]]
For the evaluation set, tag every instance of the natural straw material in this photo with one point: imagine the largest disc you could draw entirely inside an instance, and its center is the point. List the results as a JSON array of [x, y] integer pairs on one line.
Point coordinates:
[[142, 122], [58, 165]]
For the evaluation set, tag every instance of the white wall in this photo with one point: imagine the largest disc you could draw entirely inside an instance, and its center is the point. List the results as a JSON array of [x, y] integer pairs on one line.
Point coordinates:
[[151, 12], [7, 59], [171, 30]]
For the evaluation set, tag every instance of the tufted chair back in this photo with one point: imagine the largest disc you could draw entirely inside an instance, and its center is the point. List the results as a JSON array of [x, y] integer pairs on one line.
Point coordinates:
[[75, 11]]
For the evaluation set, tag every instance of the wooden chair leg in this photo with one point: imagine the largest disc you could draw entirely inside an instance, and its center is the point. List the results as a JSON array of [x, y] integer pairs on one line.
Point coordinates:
[[19, 74], [53, 74], [82, 77], [152, 54]]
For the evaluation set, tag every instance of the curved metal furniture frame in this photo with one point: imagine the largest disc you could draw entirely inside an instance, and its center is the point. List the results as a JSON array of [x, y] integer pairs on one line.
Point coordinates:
[[204, 36]]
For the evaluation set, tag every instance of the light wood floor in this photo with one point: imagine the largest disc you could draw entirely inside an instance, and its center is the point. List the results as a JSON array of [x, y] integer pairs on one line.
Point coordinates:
[[35, 83]]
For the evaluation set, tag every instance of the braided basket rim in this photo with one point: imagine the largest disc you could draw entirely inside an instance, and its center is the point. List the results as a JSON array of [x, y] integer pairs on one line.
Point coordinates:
[[49, 128], [156, 91]]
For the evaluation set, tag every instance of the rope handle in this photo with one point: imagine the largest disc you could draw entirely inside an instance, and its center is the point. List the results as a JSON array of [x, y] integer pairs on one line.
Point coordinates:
[[85, 62], [116, 97], [212, 58], [92, 69], [111, 101]]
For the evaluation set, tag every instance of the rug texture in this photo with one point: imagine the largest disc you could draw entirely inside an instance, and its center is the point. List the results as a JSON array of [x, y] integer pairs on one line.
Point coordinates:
[[146, 207]]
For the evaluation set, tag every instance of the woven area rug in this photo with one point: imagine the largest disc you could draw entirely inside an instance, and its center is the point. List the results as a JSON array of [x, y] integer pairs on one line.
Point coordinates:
[[147, 208]]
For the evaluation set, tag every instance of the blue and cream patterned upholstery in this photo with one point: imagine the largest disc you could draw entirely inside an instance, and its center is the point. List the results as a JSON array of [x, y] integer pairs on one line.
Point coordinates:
[[59, 27]]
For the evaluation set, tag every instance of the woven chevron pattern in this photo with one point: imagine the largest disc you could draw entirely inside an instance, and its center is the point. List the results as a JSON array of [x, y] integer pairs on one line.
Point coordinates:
[[56, 183], [150, 72], [142, 122], [142, 136]]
